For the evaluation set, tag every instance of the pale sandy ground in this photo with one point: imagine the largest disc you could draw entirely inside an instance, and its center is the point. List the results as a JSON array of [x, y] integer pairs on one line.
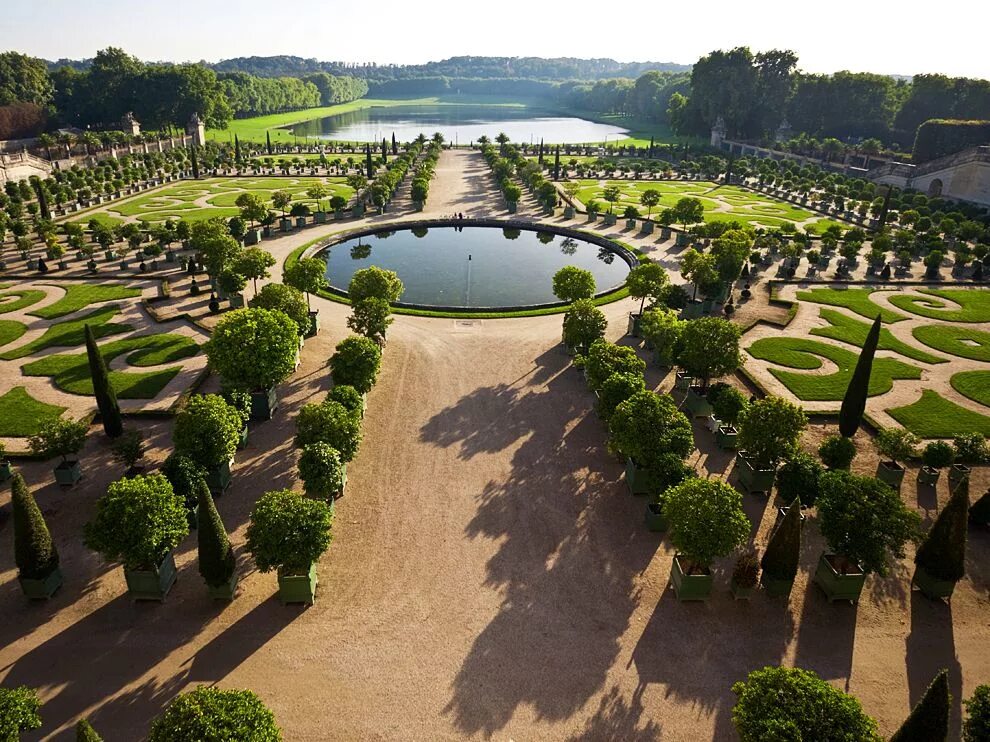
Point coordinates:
[[490, 577]]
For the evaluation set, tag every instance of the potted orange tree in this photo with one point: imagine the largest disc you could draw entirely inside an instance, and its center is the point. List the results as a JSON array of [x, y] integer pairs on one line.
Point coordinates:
[[894, 445], [65, 438], [207, 430], [769, 429], [208, 713], [709, 348]]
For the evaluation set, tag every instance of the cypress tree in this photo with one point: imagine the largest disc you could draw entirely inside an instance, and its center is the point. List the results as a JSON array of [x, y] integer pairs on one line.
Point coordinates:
[[556, 163], [942, 553], [268, 141], [780, 560], [980, 512], [216, 558], [43, 209], [86, 733], [237, 150], [384, 150], [193, 161], [929, 720], [395, 146], [106, 398], [34, 551], [541, 153], [882, 218], [651, 148], [367, 161], [854, 402]]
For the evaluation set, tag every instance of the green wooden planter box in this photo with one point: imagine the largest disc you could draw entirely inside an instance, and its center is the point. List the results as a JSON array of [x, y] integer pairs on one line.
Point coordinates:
[[314, 323], [285, 225], [776, 588], [67, 473], [932, 587], [225, 591], [835, 585], [647, 227], [41, 589], [633, 326], [892, 473], [263, 404], [697, 403], [726, 437], [569, 212], [928, 475], [298, 588], [752, 479], [682, 380], [690, 587], [692, 310], [958, 474], [611, 220], [236, 301], [511, 207], [630, 224], [656, 521], [320, 217], [358, 209], [244, 438], [5, 471], [152, 584], [741, 593], [252, 237], [639, 479], [300, 222], [218, 480]]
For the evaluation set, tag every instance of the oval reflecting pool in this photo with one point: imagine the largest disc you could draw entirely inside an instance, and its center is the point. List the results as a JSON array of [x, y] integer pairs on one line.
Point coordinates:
[[474, 267]]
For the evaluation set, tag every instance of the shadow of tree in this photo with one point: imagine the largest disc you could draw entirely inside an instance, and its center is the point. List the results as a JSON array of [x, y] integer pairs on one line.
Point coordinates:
[[617, 720], [930, 647]]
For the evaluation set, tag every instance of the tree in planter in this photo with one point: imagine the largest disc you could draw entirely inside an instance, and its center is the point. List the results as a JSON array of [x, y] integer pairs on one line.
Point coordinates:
[[216, 557], [210, 714], [19, 712], [288, 532], [837, 452], [584, 323], [331, 423], [854, 401], [971, 449], [616, 389], [231, 283], [663, 330], [254, 349], [106, 397], [253, 263], [281, 200], [701, 270], [376, 282], [184, 475], [128, 450], [706, 521], [780, 560], [207, 430], [709, 348], [895, 445], [649, 198], [976, 728], [938, 455], [348, 396], [286, 299], [309, 275], [929, 719], [138, 522], [942, 553], [727, 402], [34, 551], [356, 363], [730, 252], [648, 425], [211, 239], [647, 281], [571, 283], [322, 471], [769, 429], [791, 703], [59, 437], [371, 318], [605, 358], [800, 477], [864, 521], [253, 208]]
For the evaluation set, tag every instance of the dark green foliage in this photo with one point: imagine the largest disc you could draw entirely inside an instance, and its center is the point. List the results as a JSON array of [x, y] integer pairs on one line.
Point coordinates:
[[331, 423], [837, 452], [19, 712], [727, 402], [287, 299], [356, 363], [194, 161], [793, 705], [976, 728], [706, 519], [34, 552], [938, 455], [668, 471], [214, 715], [647, 426], [605, 358], [709, 348], [780, 560], [799, 477], [617, 389], [348, 396], [971, 449], [770, 428], [584, 323], [184, 475], [929, 719], [86, 733], [216, 557], [980, 512], [854, 401], [942, 553], [288, 532], [106, 397], [940, 137], [207, 430]]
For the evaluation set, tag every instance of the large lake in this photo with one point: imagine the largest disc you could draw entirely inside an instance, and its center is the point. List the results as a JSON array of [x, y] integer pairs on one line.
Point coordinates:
[[461, 124], [476, 267]]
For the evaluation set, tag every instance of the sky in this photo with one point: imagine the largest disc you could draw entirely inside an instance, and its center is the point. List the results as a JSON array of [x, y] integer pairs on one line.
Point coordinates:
[[857, 35]]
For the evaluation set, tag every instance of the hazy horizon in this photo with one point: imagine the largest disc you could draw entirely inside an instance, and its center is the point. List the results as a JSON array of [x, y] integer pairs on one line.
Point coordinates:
[[868, 37]]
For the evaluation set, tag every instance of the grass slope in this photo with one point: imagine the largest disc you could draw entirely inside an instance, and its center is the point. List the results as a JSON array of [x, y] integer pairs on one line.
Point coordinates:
[[805, 354], [855, 300], [78, 296], [950, 339], [22, 415], [848, 330], [933, 416], [973, 304]]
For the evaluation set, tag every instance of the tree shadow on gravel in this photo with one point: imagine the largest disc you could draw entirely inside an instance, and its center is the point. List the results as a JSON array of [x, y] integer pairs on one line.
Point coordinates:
[[619, 721], [930, 647]]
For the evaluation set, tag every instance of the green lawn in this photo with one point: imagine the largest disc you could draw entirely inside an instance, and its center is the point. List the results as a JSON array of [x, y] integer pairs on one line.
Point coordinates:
[[71, 333], [974, 385], [10, 330], [933, 416], [21, 415], [11, 301], [973, 304], [951, 339], [855, 300], [70, 372], [78, 296], [848, 330], [802, 353]]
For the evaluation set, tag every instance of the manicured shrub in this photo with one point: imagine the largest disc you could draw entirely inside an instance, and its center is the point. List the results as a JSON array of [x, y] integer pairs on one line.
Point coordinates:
[[799, 478], [86, 733], [942, 552], [214, 715], [976, 728], [375, 282], [709, 348], [331, 423], [896, 444], [706, 519], [662, 329], [59, 437], [938, 455], [106, 397], [184, 475], [371, 318], [929, 719], [727, 402], [216, 557], [348, 396], [321, 470], [837, 452], [288, 532], [616, 389], [864, 520], [780, 560], [137, 522], [769, 429], [668, 471], [19, 712], [648, 425], [781, 703], [970, 449], [605, 358], [207, 430], [309, 275], [356, 363], [34, 551], [254, 349], [854, 401], [286, 299], [646, 281], [571, 283], [584, 323]]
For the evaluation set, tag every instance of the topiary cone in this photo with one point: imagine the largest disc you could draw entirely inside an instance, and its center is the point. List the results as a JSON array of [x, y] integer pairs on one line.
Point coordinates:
[[216, 557], [929, 719], [86, 733], [106, 398], [34, 552], [854, 402], [780, 560], [942, 554]]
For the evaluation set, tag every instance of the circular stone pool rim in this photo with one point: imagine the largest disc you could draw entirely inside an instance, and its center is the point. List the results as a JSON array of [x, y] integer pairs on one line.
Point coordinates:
[[627, 255]]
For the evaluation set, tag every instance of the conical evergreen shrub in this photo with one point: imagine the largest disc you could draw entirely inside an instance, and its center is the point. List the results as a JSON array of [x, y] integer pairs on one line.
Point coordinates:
[[854, 402], [216, 557], [980, 512], [942, 553], [929, 720], [780, 560], [34, 552], [106, 398], [86, 733]]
